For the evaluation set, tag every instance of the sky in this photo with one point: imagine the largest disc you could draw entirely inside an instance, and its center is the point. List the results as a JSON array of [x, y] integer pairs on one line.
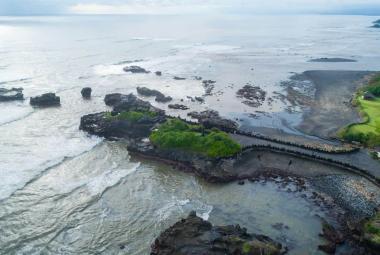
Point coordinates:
[[46, 7]]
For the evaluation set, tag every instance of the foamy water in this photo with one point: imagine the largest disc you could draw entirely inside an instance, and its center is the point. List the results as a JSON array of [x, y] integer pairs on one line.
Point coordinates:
[[64, 192]]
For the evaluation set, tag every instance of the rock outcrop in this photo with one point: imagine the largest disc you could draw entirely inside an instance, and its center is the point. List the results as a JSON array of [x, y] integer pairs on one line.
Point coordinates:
[[196, 236], [11, 94], [135, 69], [86, 92], [45, 100], [211, 119], [144, 91], [102, 124], [178, 107], [136, 134], [253, 96], [376, 24]]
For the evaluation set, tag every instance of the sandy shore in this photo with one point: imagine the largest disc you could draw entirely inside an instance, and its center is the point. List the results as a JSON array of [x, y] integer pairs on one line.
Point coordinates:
[[330, 108]]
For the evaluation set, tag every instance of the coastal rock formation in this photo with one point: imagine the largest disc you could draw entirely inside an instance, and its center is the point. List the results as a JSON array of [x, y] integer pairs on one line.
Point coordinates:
[[11, 94], [332, 60], [210, 119], [376, 24], [254, 96], [144, 91], [45, 100], [209, 86], [135, 69], [133, 120], [108, 125], [178, 107], [193, 235], [86, 92], [130, 102]]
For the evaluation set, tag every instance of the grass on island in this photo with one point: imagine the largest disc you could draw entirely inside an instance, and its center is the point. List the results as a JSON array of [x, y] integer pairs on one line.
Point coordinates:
[[177, 134], [368, 132], [132, 116], [372, 230]]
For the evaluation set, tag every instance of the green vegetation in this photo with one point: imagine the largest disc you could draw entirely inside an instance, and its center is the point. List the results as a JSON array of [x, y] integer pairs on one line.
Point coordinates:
[[177, 134], [367, 132], [131, 115], [372, 230]]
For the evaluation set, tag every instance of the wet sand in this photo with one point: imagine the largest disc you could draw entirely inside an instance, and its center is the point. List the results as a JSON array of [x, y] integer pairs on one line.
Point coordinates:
[[330, 109]]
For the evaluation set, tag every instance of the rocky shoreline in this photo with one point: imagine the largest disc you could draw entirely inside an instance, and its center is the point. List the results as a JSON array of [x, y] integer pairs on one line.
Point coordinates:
[[136, 134], [196, 236]]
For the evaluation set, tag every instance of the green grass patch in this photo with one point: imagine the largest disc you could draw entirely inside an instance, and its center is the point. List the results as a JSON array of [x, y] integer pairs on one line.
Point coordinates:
[[368, 132], [372, 229], [177, 134], [133, 116]]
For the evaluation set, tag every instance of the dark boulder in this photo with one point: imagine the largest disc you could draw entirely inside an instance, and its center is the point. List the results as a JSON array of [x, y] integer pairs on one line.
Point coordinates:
[[11, 94], [211, 119], [135, 69], [158, 73], [86, 92], [178, 107], [144, 91], [194, 235], [199, 99], [163, 99], [179, 78], [376, 24], [45, 100]]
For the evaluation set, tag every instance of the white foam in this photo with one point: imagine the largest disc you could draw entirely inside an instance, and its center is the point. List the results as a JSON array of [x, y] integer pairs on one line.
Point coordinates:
[[103, 70]]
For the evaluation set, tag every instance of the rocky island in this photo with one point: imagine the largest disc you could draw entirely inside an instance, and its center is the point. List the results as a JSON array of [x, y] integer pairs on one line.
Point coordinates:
[[193, 235]]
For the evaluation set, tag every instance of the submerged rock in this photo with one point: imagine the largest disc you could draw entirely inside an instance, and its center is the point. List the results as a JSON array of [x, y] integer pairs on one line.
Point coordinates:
[[254, 96], [152, 92], [199, 99], [178, 107], [376, 24], [212, 119], [11, 94], [179, 78], [135, 69], [86, 92], [45, 100], [332, 60], [209, 86], [193, 235]]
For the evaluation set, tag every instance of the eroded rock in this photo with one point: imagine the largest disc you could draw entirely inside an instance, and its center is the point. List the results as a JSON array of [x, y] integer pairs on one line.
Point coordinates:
[[135, 69], [11, 94], [193, 235], [160, 97], [86, 92], [212, 119], [45, 100], [178, 107], [254, 96]]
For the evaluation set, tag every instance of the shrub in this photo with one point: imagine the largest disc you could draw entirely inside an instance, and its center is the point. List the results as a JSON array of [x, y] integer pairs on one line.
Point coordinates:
[[177, 134], [131, 115]]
